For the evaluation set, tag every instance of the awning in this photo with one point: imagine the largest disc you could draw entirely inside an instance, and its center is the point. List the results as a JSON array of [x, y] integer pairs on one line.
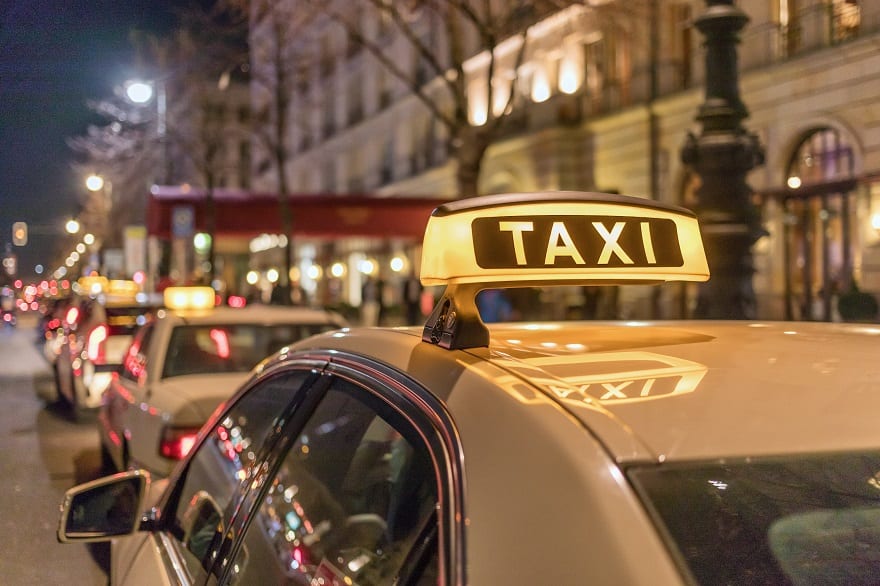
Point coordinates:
[[179, 211]]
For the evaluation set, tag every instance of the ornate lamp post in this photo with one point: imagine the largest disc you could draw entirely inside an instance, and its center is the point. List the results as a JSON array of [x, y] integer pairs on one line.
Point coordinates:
[[722, 155]]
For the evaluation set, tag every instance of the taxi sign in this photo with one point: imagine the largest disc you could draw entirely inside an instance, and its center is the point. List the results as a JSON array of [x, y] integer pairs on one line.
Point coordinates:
[[92, 284], [549, 239], [533, 239], [195, 298]]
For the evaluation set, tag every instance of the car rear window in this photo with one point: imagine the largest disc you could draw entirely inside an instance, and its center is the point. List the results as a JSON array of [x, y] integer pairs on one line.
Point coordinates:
[[123, 321], [809, 520], [202, 349]]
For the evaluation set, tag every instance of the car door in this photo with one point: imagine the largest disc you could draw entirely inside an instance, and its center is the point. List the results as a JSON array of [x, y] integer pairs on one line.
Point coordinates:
[[123, 394], [355, 495], [205, 493]]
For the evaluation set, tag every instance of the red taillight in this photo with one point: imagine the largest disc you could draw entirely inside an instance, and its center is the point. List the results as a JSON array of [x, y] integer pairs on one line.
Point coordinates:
[[221, 342], [95, 348], [236, 301], [177, 442]]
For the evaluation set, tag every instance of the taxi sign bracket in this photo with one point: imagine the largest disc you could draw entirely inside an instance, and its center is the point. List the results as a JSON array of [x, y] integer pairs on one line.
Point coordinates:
[[455, 322]]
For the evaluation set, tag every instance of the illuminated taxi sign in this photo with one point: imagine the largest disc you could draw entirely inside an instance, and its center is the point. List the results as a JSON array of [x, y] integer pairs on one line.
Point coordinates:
[[92, 284], [181, 298], [560, 238], [566, 236]]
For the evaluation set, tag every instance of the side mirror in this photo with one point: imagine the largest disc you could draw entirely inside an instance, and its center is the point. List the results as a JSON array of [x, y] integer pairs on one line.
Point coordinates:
[[104, 508]]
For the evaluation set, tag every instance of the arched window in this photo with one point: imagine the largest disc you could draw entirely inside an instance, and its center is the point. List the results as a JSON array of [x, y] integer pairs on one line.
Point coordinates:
[[817, 225], [822, 156]]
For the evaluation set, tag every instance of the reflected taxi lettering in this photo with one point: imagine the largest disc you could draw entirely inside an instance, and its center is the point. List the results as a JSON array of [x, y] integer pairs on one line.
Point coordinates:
[[575, 241]]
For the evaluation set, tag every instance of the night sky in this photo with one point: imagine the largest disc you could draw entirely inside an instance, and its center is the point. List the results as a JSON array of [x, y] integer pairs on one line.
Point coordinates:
[[55, 55]]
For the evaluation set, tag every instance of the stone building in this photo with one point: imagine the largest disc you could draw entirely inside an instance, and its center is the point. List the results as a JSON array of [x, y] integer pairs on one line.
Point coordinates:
[[605, 94]]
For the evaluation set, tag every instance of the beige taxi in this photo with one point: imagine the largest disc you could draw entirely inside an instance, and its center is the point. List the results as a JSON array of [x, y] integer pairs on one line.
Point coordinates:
[[526, 453]]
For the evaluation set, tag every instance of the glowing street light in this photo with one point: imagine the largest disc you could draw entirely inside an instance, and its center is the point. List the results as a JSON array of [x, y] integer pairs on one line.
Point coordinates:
[[94, 182], [72, 226], [139, 92]]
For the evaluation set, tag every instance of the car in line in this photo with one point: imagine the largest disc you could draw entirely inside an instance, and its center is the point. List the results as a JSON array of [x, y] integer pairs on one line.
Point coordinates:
[[97, 330], [183, 364], [668, 452]]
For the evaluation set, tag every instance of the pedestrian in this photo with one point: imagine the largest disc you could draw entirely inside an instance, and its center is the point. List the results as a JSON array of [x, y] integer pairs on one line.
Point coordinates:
[[412, 297], [370, 302]]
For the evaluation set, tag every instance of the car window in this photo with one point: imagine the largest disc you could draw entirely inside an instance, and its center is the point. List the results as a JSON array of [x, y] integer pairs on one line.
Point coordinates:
[[805, 520], [124, 321], [203, 349], [223, 465], [347, 503], [135, 361]]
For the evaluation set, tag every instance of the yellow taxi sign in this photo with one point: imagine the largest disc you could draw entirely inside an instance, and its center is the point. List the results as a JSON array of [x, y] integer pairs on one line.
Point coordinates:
[[92, 284], [189, 297], [561, 238], [123, 287]]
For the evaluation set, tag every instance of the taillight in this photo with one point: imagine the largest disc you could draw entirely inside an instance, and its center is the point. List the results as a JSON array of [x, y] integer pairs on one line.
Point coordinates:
[[177, 442], [95, 347]]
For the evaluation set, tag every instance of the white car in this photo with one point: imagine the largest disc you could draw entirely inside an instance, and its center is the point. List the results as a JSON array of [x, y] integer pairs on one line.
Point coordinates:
[[96, 330], [610, 453], [182, 365]]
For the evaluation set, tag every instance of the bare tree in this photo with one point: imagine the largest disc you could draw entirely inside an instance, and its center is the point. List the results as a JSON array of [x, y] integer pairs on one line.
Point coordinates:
[[467, 29], [279, 61], [184, 137]]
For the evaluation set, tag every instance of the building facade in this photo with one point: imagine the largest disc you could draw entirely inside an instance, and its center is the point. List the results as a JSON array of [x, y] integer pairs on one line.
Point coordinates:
[[605, 94]]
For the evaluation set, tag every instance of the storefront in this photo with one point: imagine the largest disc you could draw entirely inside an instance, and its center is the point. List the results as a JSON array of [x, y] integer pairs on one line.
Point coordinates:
[[338, 241]]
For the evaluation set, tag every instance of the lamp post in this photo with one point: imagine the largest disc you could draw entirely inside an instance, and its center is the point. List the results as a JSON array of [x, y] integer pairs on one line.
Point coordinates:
[[141, 93], [722, 155]]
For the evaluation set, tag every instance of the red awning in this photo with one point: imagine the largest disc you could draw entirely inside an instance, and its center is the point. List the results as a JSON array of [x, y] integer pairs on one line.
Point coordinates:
[[239, 213]]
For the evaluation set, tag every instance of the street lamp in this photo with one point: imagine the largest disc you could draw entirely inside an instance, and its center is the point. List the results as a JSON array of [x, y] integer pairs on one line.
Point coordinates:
[[141, 92], [94, 182], [72, 226]]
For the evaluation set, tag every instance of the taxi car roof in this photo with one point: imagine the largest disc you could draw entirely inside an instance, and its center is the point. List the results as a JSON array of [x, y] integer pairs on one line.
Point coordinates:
[[677, 391]]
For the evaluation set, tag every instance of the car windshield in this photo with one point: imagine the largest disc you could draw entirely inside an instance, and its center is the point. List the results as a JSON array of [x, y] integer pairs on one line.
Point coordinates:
[[203, 349], [810, 520]]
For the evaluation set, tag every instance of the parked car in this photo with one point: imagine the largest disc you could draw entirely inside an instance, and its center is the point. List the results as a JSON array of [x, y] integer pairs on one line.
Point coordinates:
[[97, 330], [675, 452], [182, 365]]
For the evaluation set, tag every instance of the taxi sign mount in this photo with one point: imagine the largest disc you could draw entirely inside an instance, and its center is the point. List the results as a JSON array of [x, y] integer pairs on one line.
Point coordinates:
[[550, 239]]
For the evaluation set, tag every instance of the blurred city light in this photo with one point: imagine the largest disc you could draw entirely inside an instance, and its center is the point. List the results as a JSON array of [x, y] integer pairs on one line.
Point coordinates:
[[72, 226], [94, 182], [139, 92]]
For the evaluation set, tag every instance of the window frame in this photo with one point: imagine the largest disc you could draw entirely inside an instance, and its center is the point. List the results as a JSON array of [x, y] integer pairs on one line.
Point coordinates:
[[170, 500], [427, 416]]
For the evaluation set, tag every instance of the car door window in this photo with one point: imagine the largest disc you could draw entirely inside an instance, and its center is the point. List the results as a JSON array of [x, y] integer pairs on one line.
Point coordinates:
[[135, 361], [225, 463], [348, 501]]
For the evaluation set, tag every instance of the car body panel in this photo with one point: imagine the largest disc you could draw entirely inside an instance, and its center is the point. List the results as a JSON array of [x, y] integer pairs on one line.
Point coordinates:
[[511, 455], [184, 401], [79, 381]]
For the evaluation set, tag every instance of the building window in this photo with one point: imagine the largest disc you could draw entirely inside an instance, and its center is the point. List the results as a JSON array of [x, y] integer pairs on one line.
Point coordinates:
[[244, 164], [822, 156], [355, 99], [387, 171], [819, 224], [328, 179], [329, 107], [327, 57], [847, 17]]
